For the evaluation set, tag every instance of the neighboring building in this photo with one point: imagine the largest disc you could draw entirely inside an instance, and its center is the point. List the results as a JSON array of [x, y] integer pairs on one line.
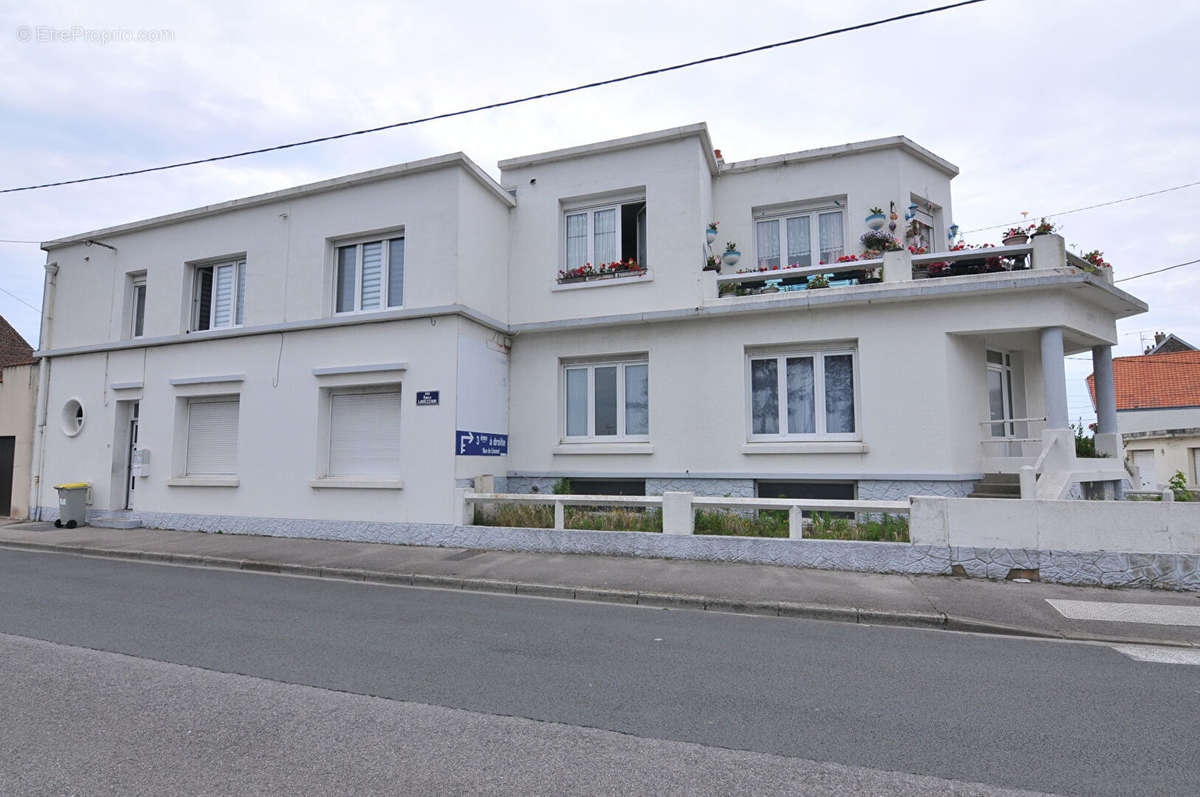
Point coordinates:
[[355, 349], [1158, 414], [1168, 344], [18, 389]]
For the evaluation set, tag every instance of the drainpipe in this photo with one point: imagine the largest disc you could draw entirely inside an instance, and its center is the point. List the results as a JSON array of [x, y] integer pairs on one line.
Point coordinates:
[[43, 398]]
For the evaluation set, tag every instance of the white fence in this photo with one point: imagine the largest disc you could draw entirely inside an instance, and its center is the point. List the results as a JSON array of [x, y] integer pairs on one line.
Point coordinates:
[[678, 508]]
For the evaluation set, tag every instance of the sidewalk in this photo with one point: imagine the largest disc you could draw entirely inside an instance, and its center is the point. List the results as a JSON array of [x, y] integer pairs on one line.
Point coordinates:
[[924, 601]]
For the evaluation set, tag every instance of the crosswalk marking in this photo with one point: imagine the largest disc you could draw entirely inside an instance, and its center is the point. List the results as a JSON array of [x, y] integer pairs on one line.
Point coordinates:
[[1160, 655], [1154, 613]]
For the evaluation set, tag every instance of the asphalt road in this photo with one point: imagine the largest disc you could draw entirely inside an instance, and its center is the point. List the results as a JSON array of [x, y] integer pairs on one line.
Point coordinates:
[[1024, 714]]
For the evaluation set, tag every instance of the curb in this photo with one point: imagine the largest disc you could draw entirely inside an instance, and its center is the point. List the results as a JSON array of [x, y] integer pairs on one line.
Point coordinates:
[[663, 600]]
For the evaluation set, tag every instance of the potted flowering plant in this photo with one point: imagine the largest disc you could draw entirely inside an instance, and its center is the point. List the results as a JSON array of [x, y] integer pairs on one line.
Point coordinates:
[[1096, 262], [1015, 236], [1044, 227], [878, 239], [817, 281], [587, 271], [712, 263], [732, 255], [710, 233], [857, 274], [876, 219]]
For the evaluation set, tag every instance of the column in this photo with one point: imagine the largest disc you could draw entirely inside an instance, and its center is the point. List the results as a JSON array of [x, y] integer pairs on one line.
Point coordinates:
[[1106, 393], [1054, 378]]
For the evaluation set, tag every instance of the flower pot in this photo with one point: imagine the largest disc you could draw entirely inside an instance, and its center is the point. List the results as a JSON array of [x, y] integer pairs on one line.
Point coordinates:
[[712, 267], [1016, 240], [710, 234], [731, 258], [876, 221]]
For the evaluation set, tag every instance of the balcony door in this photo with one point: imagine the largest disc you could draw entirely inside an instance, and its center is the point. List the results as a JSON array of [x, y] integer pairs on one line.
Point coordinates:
[[1000, 394]]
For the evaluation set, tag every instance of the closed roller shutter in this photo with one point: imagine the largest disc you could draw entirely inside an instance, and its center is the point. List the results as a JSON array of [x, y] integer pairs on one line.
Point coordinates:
[[212, 437], [364, 434]]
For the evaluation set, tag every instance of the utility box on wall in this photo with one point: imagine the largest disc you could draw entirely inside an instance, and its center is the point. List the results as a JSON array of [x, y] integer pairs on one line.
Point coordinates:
[[140, 466]]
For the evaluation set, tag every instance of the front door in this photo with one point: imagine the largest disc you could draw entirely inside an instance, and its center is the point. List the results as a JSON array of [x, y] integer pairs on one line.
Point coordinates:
[[1143, 461], [7, 449], [130, 479]]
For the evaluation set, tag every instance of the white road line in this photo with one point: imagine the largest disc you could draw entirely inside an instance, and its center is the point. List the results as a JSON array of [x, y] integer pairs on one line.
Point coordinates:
[[1157, 614], [1160, 655]]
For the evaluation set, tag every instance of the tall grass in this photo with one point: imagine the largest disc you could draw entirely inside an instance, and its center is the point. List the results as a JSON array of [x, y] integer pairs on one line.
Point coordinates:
[[765, 523]]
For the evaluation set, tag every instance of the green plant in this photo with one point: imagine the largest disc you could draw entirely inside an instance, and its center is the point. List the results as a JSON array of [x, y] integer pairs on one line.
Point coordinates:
[[885, 528], [712, 225], [730, 246], [561, 487], [1178, 485], [876, 211], [819, 281], [1085, 444], [1044, 227]]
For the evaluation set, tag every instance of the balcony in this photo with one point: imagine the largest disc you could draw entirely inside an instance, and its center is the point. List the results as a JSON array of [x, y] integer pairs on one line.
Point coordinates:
[[877, 274]]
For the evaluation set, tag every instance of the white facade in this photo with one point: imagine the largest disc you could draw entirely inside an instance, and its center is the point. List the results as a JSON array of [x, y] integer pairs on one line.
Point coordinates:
[[1161, 442], [648, 377]]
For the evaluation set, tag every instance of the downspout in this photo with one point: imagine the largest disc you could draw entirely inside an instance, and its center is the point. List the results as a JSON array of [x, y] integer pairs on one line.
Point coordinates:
[[43, 398]]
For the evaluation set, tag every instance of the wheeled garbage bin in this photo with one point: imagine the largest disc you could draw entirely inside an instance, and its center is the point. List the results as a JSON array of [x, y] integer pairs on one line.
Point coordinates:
[[72, 504]]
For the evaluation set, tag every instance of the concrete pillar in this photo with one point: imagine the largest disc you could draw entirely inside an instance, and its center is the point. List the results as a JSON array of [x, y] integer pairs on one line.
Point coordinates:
[[897, 266], [1054, 377], [1049, 251], [1107, 436], [560, 515], [464, 507], [677, 516], [795, 523], [1028, 481]]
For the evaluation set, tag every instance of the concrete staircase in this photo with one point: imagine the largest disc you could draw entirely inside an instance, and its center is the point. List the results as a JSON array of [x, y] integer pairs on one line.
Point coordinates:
[[997, 485]]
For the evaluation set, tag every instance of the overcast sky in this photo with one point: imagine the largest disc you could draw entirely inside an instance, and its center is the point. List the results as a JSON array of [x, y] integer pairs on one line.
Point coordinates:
[[1044, 106]]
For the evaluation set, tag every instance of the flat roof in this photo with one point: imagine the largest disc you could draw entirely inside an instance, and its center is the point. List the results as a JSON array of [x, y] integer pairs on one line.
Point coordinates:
[[902, 143], [698, 130], [359, 178]]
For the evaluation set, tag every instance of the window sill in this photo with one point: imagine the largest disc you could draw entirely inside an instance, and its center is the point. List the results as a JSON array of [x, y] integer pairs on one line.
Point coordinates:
[[807, 447], [343, 483], [204, 481], [564, 449], [600, 283]]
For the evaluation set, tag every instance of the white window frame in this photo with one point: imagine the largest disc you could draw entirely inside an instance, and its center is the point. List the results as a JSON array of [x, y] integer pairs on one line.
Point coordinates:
[[239, 299], [137, 281], [813, 214], [384, 239], [590, 366], [819, 420], [191, 401], [590, 209]]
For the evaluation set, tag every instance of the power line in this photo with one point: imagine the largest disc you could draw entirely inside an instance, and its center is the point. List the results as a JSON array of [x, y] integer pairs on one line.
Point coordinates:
[[505, 103], [14, 241], [1088, 207], [22, 301], [1157, 271]]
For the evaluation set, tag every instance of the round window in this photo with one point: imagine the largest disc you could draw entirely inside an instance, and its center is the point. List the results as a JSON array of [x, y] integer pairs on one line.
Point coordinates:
[[72, 417]]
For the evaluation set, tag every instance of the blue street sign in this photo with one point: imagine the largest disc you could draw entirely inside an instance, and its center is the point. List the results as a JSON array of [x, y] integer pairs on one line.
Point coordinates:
[[480, 444], [428, 398]]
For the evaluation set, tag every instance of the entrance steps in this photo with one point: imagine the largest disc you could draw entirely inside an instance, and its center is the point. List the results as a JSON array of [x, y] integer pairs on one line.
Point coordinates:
[[997, 485]]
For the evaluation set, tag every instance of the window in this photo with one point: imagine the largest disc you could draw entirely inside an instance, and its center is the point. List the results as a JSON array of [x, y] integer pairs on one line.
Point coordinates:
[[605, 234], [137, 305], [212, 437], [803, 395], [369, 275], [802, 239], [219, 295], [364, 432], [607, 401]]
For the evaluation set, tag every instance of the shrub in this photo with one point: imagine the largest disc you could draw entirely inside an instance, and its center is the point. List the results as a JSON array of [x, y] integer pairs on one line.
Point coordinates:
[[1178, 485]]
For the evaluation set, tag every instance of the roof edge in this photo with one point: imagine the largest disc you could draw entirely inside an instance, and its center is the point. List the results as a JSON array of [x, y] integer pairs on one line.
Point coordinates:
[[308, 189], [842, 150], [697, 129]]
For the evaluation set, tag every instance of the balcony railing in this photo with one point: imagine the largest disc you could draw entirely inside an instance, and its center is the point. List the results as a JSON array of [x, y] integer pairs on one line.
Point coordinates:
[[895, 267]]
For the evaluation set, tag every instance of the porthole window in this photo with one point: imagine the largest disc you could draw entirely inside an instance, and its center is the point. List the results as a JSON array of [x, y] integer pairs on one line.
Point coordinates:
[[72, 417]]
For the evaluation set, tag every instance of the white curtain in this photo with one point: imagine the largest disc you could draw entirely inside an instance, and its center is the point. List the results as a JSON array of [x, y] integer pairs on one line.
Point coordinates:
[[833, 240], [768, 243], [606, 236], [637, 399], [576, 240], [799, 241], [606, 400], [801, 407], [839, 394], [577, 402], [347, 265]]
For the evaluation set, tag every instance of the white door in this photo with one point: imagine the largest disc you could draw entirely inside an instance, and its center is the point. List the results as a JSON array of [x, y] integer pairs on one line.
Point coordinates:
[[1143, 461]]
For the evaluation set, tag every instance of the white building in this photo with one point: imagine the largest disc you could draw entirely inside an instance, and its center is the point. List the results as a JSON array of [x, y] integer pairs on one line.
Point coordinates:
[[353, 350]]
